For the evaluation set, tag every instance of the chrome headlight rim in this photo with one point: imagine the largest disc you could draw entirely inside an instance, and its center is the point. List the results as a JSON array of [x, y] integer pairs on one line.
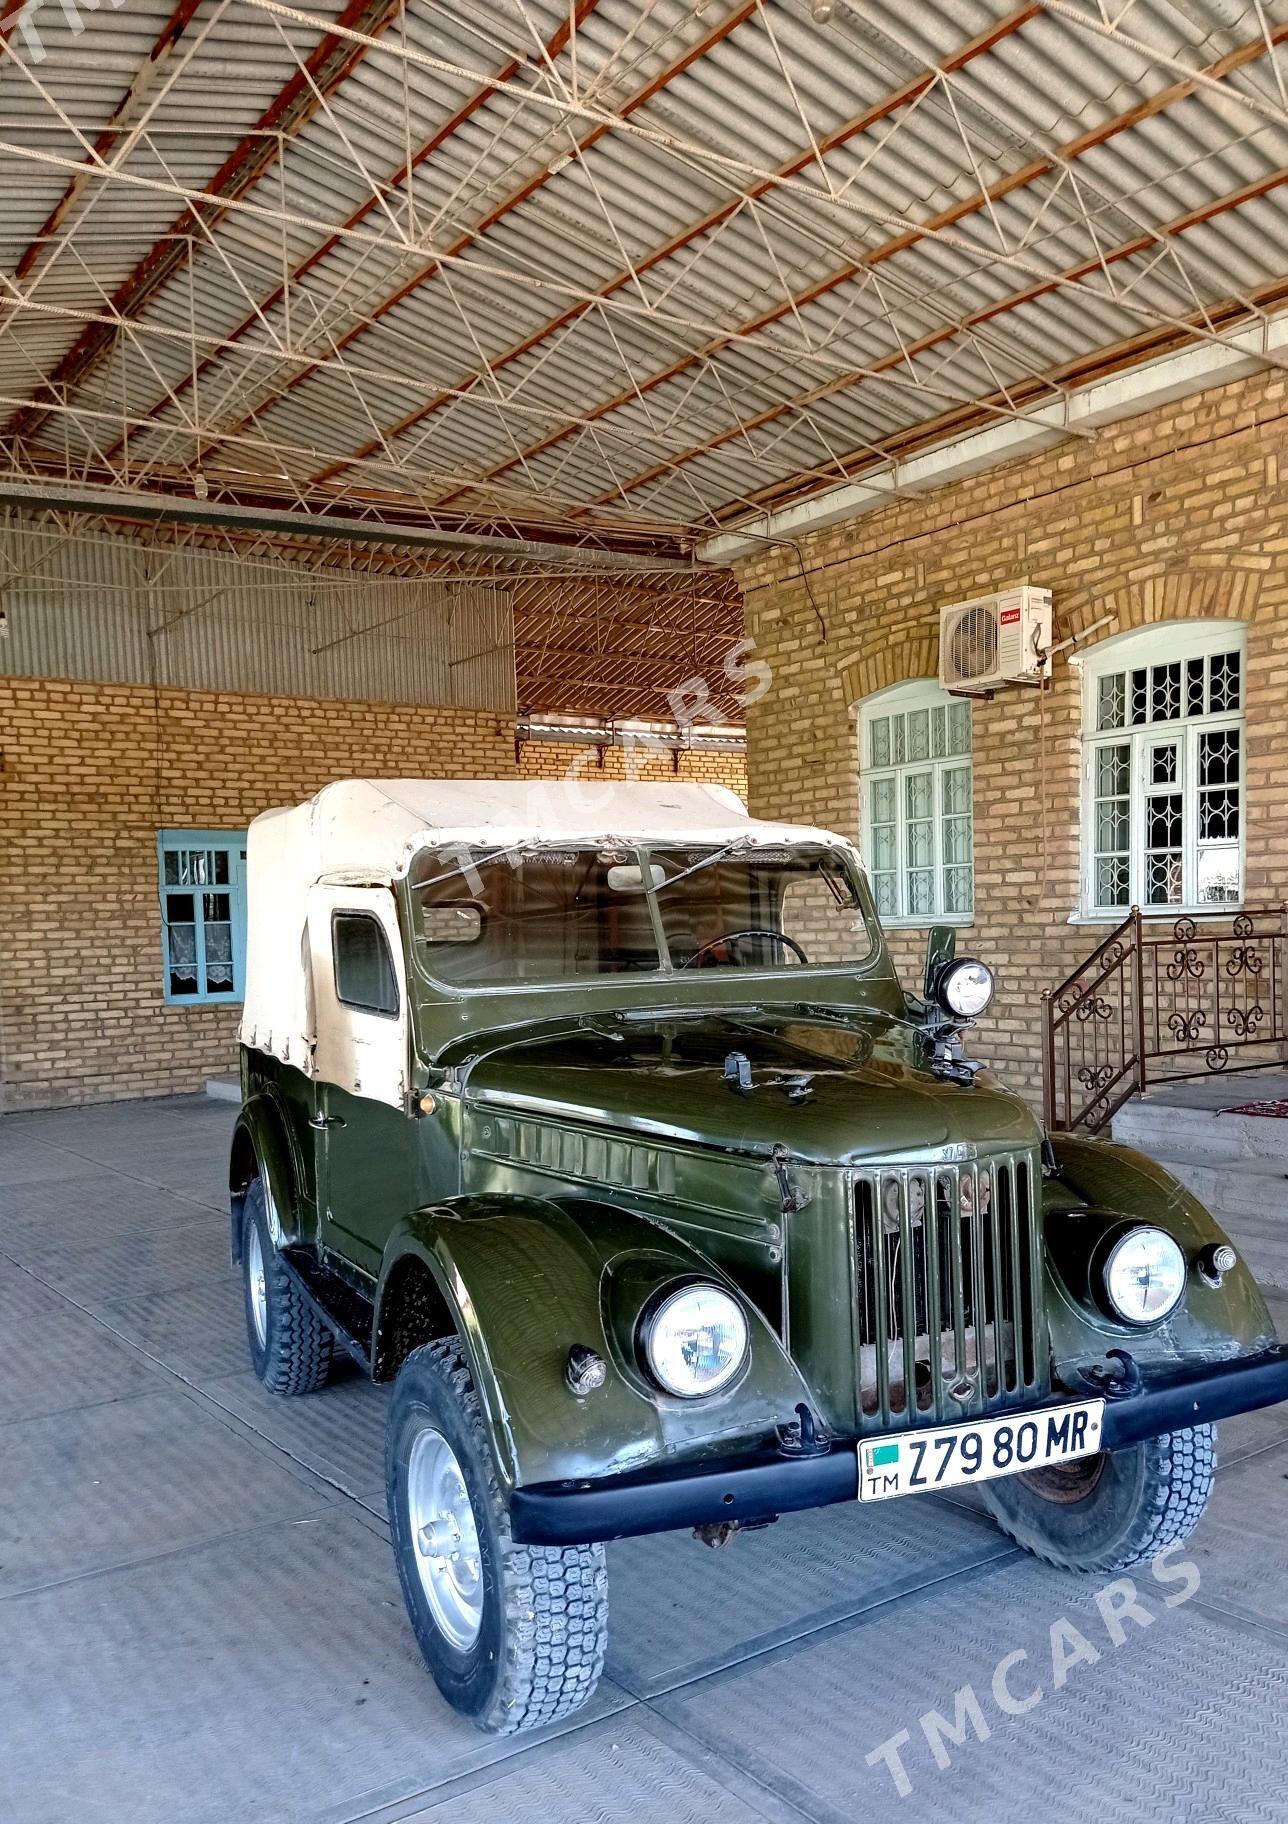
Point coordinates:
[[959, 972], [1131, 1234], [662, 1301]]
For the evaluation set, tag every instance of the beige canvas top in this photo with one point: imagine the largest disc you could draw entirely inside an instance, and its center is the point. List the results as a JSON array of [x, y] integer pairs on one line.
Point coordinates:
[[365, 832]]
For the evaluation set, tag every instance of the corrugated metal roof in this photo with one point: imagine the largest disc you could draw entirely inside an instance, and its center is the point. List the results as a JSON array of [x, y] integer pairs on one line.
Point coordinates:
[[633, 276], [132, 611]]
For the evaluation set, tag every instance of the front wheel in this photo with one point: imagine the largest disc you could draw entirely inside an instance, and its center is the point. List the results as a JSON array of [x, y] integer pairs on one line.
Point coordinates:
[[514, 1635], [1116, 1509]]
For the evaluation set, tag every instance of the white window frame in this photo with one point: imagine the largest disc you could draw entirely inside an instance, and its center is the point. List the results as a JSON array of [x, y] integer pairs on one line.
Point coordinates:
[[1165, 642], [898, 699]]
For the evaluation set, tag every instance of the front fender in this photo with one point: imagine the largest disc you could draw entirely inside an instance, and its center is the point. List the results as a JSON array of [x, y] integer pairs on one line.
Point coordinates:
[[1098, 1182], [260, 1145], [525, 1279]]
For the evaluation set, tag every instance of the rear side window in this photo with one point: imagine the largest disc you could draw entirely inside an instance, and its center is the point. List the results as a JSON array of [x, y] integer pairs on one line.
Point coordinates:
[[364, 970]]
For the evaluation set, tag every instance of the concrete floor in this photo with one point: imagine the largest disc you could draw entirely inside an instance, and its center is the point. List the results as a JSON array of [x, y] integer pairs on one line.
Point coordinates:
[[200, 1623]]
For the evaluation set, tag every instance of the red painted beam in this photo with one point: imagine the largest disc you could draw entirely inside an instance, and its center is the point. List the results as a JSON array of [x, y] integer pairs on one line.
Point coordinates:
[[1113, 256], [902, 97], [396, 179], [513, 201], [331, 60], [876, 256], [169, 36]]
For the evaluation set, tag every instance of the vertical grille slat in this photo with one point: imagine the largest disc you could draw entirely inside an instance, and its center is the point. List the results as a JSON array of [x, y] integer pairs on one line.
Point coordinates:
[[983, 1213], [934, 1286], [1035, 1376], [1001, 1215], [950, 1291], [907, 1282], [880, 1307], [1016, 1299]]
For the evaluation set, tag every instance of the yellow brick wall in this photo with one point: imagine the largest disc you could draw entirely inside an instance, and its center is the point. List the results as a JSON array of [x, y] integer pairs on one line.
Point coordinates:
[[1178, 514], [90, 772], [554, 759]]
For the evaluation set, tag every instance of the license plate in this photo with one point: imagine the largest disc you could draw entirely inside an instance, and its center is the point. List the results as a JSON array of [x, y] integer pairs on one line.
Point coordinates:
[[948, 1455]]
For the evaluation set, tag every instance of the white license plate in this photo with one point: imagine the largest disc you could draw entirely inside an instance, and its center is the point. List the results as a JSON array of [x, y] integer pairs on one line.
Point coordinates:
[[948, 1455]]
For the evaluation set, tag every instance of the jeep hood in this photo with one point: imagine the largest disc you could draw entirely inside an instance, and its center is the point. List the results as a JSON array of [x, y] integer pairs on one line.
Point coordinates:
[[832, 1094]]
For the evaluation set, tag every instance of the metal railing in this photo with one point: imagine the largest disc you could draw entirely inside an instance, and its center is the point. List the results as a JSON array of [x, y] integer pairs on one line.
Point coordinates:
[[1159, 999]]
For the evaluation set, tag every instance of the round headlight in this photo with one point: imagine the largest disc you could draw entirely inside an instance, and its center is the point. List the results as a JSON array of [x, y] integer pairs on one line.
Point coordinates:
[[1145, 1276], [966, 988], [696, 1341]]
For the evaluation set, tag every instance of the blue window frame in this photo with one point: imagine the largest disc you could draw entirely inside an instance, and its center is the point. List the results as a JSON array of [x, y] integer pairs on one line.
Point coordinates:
[[203, 913]]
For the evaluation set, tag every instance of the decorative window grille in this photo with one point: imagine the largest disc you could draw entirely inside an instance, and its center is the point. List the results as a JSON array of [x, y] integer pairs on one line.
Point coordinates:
[[1164, 776]]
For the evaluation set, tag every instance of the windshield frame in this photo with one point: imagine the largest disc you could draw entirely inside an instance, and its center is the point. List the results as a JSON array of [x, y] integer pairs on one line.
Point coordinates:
[[667, 972]]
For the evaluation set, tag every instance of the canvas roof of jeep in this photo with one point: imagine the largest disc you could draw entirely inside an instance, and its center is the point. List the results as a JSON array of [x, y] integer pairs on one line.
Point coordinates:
[[369, 829], [365, 833]]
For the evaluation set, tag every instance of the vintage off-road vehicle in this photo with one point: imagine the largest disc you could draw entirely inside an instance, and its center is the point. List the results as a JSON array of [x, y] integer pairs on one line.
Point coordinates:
[[609, 1136]]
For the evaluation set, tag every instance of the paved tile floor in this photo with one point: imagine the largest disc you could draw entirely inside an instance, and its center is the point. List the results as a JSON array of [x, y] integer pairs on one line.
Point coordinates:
[[200, 1624]]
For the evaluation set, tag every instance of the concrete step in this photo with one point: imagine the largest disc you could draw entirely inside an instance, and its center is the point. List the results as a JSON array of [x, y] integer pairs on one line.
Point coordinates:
[[1164, 1128], [224, 1089]]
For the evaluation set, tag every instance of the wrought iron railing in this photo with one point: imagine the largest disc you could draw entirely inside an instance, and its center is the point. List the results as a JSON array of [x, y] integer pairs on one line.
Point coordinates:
[[1180, 997]]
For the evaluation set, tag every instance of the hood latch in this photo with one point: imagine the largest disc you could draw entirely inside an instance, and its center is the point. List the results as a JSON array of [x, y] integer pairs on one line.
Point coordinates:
[[790, 1195]]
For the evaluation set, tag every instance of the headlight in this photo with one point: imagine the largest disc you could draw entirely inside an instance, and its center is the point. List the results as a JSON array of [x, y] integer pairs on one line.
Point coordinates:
[[1145, 1276], [695, 1341], [966, 988]]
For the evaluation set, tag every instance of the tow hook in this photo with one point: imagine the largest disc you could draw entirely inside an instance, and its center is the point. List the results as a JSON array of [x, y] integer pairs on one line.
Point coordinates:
[[717, 1533], [1114, 1383], [801, 1439]]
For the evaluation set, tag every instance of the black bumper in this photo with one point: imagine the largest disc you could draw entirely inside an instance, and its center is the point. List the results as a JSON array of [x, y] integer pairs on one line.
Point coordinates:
[[1197, 1398], [760, 1486]]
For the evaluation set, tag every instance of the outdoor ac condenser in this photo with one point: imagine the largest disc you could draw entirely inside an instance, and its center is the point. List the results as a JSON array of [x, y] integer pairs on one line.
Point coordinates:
[[995, 640]]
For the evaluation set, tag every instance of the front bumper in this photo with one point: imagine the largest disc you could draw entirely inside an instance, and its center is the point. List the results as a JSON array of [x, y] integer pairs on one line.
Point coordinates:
[[759, 1486]]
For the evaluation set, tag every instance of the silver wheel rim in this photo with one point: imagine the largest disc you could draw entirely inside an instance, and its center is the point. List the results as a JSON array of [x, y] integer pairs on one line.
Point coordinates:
[[445, 1539], [257, 1280]]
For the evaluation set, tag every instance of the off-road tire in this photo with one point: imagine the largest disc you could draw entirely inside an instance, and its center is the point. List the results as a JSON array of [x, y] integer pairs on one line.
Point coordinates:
[[1145, 1498], [540, 1648], [294, 1356]]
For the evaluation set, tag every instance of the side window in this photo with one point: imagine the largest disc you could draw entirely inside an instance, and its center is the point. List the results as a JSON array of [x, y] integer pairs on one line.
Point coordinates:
[[915, 778], [364, 970], [202, 887]]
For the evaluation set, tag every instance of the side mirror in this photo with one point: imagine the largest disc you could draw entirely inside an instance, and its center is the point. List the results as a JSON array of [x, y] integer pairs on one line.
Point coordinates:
[[941, 948]]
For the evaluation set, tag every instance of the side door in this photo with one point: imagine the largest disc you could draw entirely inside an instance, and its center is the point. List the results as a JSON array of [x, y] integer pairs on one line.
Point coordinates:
[[365, 1144]]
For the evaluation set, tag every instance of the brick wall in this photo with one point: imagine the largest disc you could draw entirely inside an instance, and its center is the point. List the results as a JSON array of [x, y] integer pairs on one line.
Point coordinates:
[[90, 772], [554, 759], [1178, 514]]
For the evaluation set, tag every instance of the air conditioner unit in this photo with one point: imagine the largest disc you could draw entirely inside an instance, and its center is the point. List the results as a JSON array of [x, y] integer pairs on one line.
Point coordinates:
[[995, 640]]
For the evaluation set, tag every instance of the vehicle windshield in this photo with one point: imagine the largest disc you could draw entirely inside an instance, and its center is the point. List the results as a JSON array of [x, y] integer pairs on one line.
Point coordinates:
[[537, 914]]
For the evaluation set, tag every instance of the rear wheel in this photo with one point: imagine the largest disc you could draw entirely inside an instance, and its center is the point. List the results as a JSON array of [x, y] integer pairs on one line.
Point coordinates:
[[290, 1346], [1107, 1512], [514, 1635]]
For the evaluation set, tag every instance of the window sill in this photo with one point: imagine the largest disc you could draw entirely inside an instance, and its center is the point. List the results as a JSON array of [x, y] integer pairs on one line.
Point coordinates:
[[1157, 915], [958, 920]]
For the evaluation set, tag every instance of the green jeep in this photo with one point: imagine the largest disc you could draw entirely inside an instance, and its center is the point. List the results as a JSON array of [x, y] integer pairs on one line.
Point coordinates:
[[600, 1125]]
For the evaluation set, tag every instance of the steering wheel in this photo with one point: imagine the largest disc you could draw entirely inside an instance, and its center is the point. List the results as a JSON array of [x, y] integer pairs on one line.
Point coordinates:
[[733, 937]]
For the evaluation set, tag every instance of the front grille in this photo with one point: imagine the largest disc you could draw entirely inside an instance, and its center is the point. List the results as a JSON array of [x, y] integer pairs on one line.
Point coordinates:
[[950, 1306]]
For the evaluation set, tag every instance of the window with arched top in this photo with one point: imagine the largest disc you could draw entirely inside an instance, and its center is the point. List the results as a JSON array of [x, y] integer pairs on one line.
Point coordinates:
[[916, 803], [1163, 769]]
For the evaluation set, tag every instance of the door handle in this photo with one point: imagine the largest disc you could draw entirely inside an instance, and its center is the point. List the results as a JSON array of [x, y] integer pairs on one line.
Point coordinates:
[[320, 1121]]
